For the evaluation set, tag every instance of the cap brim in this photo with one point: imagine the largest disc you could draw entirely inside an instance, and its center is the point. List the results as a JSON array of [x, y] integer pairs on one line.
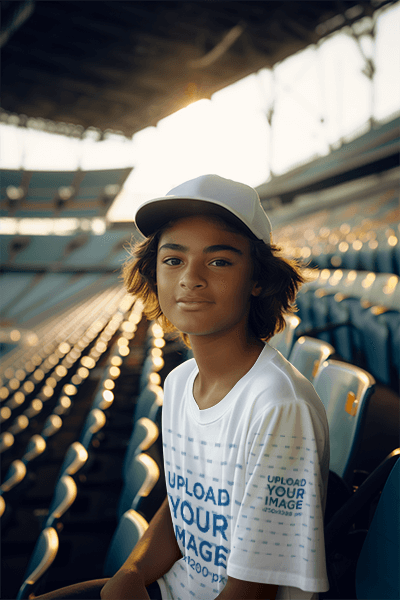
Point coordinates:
[[156, 213]]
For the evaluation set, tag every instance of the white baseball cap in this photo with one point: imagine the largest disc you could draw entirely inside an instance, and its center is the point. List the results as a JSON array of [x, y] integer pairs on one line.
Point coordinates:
[[208, 194]]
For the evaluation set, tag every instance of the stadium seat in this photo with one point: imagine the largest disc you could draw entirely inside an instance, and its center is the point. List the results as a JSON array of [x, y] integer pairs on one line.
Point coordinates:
[[35, 447], [6, 441], [75, 457], [19, 424], [151, 365], [308, 354], [95, 421], [145, 432], [52, 424], [371, 332], [377, 573], [345, 391], [342, 337], [304, 302], [41, 559], [364, 563], [15, 474], [149, 403], [385, 258], [283, 341], [320, 317], [130, 529], [34, 408], [380, 331], [63, 497], [141, 477], [102, 402]]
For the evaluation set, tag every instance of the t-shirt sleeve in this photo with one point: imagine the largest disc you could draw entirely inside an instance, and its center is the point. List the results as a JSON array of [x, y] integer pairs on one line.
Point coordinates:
[[278, 537]]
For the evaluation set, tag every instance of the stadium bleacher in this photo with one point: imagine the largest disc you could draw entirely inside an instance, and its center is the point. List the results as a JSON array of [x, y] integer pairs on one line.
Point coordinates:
[[82, 373]]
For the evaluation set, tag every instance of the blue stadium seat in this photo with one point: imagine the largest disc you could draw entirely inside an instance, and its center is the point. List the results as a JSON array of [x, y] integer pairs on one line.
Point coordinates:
[[130, 529], [42, 557], [6, 441], [141, 477], [149, 403], [75, 458], [364, 563], [283, 341], [52, 424], [367, 258], [380, 334], [320, 316], [2, 506], [377, 573], [15, 475], [35, 447], [385, 258], [345, 391], [396, 256], [144, 434], [150, 365], [64, 496], [95, 421], [308, 354]]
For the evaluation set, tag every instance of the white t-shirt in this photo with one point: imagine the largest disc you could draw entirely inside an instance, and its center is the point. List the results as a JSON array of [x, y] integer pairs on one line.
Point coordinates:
[[246, 482]]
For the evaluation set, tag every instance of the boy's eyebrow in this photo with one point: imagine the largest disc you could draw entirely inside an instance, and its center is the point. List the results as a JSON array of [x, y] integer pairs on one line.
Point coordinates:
[[208, 250], [221, 247], [171, 246]]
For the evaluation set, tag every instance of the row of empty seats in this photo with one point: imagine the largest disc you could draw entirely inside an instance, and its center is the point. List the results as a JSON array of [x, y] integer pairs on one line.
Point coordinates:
[[140, 472], [358, 313], [67, 365], [362, 234]]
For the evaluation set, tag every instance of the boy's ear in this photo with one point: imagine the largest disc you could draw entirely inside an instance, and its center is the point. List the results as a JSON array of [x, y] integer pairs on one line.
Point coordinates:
[[257, 289]]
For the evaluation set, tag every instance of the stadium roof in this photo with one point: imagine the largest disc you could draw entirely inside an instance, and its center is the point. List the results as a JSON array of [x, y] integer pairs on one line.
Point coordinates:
[[123, 66]]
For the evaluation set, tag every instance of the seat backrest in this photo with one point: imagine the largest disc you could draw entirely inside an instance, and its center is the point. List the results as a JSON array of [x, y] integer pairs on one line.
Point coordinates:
[[145, 432], [63, 497], [101, 401], [151, 365], [130, 529], [141, 477], [41, 559], [2, 506], [95, 421], [35, 447], [345, 391], [52, 424], [308, 354], [145, 402], [283, 341], [377, 572], [75, 457], [15, 474], [6, 441]]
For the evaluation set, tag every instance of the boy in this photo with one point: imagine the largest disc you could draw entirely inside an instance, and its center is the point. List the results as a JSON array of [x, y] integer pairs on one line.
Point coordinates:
[[246, 444], [246, 447]]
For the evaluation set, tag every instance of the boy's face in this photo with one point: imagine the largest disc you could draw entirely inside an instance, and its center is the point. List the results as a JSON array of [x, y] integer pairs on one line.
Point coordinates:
[[204, 277]]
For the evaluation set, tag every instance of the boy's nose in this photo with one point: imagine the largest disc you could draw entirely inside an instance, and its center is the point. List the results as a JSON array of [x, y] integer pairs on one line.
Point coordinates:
[[192, 279]]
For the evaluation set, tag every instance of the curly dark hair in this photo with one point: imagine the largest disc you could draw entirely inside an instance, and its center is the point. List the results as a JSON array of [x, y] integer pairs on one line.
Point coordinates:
[[279, 278]]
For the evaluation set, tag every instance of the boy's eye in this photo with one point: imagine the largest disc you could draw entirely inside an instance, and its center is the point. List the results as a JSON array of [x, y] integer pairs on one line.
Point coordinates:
[[173, 262], [220, 262]]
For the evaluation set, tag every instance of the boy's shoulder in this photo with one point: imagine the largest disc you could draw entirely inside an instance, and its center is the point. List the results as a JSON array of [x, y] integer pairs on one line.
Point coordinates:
[[181, 371]]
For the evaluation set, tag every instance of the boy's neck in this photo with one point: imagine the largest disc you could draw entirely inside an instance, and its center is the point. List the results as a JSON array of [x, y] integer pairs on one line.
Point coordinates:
[[222, 363]]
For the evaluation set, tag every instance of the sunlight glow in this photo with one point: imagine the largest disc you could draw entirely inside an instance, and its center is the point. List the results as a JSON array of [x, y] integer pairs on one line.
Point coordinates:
[[315, 99]]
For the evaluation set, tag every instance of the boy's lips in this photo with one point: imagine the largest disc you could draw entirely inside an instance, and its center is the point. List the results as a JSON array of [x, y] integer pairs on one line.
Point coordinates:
[[192, 299], [192, 302]]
